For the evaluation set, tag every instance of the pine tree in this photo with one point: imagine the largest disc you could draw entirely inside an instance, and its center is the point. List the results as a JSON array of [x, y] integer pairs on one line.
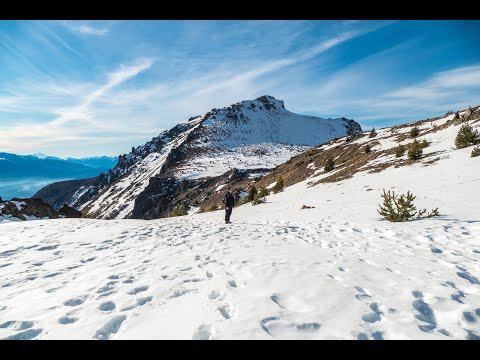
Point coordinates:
[[415, 151], [367, 149], [373, 133], [329, 165], [405, 208], [387, 210], [415, 132], [251, 193], [258, 198], [399, 151], [279, 186], [466, 136], [475, 151], [401, 208]]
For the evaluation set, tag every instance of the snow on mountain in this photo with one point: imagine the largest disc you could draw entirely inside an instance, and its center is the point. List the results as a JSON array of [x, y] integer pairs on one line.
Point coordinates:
[[259, 133], [45, 156], [117, 201], [332, 271]]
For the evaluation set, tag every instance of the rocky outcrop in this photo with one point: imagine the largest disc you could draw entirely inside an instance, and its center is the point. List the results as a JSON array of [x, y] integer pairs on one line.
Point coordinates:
[[69, 212], [33, 209]]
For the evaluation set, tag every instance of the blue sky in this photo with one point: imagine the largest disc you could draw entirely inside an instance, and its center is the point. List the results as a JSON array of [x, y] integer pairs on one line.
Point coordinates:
[[85, 88]]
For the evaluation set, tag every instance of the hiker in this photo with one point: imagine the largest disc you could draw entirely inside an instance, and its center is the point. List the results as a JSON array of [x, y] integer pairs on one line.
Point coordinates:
[[229, 202]]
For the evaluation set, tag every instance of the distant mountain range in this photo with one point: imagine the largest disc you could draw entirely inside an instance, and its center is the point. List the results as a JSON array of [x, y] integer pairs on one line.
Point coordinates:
[[17, 166], [23, 175]]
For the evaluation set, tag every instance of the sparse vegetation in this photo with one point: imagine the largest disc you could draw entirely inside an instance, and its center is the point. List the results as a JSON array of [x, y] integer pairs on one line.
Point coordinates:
[[279, 186], [329, 165], [259, 197], [213, 207], [263, 192], [368, 149], [401, 208], [423, 144], [475, 151], [415, 151], [242, 201], [251, 193], [466, 136], [179, 210], [399, 151], [414, 132], [373, 133]]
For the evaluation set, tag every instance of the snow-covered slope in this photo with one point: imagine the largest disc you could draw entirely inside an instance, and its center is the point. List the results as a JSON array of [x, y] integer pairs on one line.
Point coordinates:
[[118, 199], [259, 133], [334, 271]]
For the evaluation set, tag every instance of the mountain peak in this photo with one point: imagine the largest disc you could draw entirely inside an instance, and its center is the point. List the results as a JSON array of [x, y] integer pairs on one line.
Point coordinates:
[[269, 101]]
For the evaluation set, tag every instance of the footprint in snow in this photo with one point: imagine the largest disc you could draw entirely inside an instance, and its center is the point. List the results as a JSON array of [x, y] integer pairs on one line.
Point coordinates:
[[138, 290], [276, 299], [74, 302], [226, 311], [65, 320], [110, 328], [17, 325], [425, 313], [215, 295], [204, 332], [25, 335], [139, 303], [107, 306], [373, 316], [361, 293]]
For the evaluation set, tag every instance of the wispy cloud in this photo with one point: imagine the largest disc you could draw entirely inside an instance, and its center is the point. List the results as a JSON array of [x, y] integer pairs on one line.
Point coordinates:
[[277, 64], [441, 85], [85, 29], [454, 89], [72, 123], [80, 112], [60, 40]]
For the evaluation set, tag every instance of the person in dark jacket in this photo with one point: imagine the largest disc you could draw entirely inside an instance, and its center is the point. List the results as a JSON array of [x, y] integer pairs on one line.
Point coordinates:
[[229, 201]]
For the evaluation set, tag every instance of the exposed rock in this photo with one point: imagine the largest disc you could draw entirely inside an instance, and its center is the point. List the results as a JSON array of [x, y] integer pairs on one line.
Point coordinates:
[[69, 212], [32, 209], [307, 207]]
